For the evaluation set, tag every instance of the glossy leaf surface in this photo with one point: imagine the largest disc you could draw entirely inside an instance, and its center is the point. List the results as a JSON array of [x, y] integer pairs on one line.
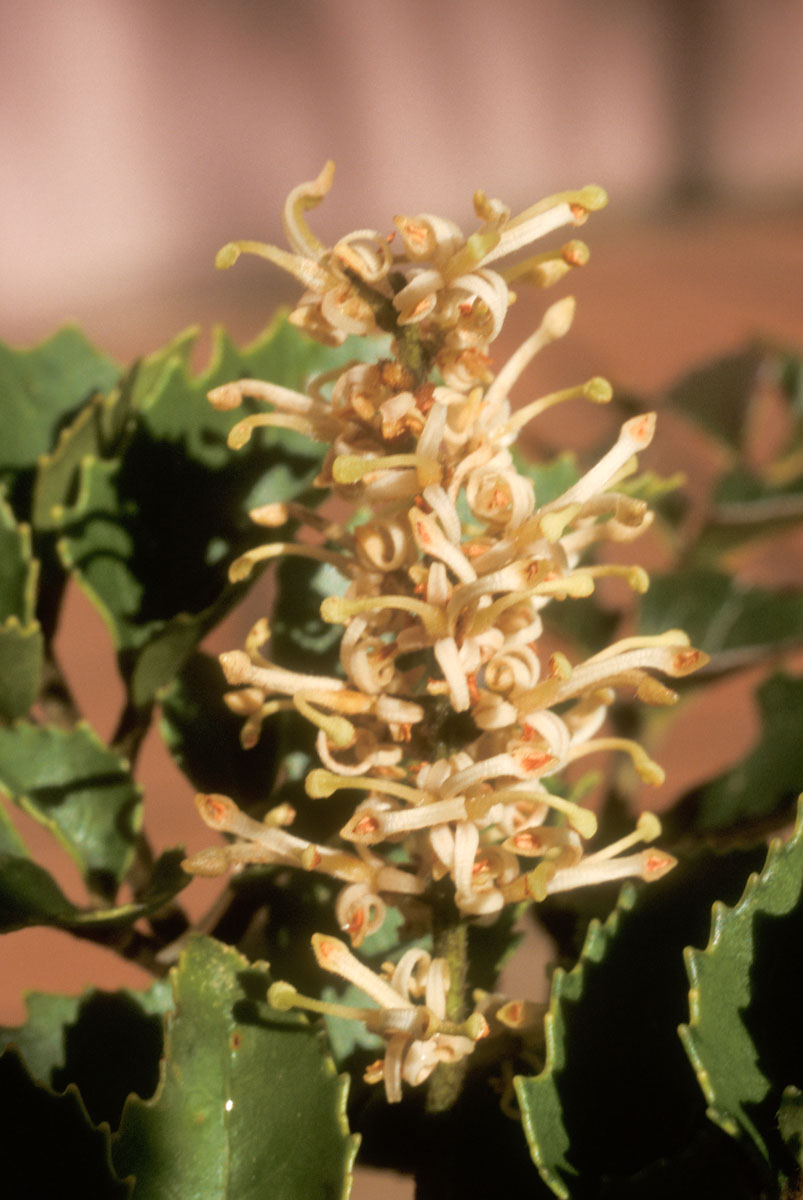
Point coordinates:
[[248, 1104]]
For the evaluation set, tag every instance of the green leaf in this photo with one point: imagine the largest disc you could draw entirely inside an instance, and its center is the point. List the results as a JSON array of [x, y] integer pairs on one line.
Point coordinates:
[[79, 789], [613, 1051], [62, 1035], [29, 895], [151, 534], [203, 736], [718, 395], [745, 510], [21, 642], [128, 1027], [728, 619], [248, 1105], [21, 659], [166, 651], [763, 786], [18, 570], [492, 946], [40, 1041], [49, 1147], [98, 431], [298, 632], [542, 1110], [745, 1003], [167, 879], [43, 387]]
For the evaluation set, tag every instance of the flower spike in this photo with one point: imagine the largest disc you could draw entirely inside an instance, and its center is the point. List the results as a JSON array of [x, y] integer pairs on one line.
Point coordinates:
[[446, 719]]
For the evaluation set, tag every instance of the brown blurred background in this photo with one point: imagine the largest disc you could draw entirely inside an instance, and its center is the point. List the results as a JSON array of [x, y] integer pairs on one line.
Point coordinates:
[[137, 136]]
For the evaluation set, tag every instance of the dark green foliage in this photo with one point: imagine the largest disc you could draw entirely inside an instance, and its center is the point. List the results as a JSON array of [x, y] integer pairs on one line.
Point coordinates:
[[612, 1046], [48, 1141], [204, 736], [122, 482], [248, 1104], [746, 998], [69, 781]]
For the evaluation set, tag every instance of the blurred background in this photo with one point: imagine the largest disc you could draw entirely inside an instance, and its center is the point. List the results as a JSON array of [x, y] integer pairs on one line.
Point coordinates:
[[137, 136]]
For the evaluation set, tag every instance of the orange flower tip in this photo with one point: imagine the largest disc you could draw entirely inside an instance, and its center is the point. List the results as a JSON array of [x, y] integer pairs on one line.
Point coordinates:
[[226, 397], [310, 858], [374, 1072], [575, 253], [511, 1014], [598, 390], [328, 950], [320, 784], [363, 829], [559, 666], [282, 995], [641, 428], [687, 660], [649, 826], [519, 1014], [656, 863], [528, 842], [217, 811], [476, 1027], [354, 924], [422, 532], [535, 760]]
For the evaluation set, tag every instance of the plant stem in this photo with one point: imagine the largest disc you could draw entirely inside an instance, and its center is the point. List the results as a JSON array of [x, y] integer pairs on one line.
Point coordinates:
[[57, 701], [131, 728], [450, 942]]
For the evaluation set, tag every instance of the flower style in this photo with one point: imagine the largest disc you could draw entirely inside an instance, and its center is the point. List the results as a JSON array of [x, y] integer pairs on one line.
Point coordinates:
[[447, 579], [418, 1036]]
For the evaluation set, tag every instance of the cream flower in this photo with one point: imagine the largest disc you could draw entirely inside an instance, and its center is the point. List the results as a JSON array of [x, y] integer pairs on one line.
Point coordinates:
[[418, 1036], [449, 563]]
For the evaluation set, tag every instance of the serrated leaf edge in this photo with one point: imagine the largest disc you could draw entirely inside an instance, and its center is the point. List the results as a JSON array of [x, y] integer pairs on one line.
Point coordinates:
[[329, 1067], [23, 530], [25, 802], [71, 1090], [598, 935], [721, 915]]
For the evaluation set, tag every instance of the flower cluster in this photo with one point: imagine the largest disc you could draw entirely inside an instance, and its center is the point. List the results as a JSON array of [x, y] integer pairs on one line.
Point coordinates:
[[450, 561], [419, 1036]]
